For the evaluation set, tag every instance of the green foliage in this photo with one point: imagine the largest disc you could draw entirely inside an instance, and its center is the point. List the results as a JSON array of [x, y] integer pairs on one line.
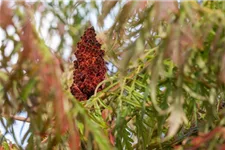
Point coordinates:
[[167, 91]]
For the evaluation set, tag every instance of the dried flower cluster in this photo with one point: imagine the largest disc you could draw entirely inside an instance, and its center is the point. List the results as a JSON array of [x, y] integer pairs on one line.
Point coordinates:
[[89, 67]]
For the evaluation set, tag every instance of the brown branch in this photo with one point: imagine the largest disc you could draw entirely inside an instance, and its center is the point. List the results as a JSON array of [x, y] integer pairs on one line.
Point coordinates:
[[166, 144], [44, 140], [19, 118]]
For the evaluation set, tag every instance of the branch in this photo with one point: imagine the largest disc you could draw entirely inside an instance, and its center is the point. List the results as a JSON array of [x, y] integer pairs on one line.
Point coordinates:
[[18, 118], [189, 132], [44, 140]]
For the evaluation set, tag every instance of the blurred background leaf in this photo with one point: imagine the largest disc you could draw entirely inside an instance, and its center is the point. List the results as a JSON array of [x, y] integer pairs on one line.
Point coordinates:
[[164, 87]]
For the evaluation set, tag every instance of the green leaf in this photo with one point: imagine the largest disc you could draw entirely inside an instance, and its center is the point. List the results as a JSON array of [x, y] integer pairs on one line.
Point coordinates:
[[28, 89], [3, 76]]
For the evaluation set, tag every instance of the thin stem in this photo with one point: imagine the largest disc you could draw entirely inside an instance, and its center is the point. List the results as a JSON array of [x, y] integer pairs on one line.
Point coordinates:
[[18, 118]]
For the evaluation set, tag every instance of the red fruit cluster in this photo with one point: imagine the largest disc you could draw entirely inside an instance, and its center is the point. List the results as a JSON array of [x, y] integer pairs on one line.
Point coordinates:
[[89, 67]]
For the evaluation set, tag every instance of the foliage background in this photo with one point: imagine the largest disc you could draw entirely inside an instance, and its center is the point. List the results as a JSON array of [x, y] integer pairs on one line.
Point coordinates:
[[165, 83]]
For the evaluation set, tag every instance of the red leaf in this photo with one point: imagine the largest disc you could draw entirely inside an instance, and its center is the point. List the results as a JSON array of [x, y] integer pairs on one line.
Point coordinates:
[[74, 139], [5, 15], [180, 39], [111, 138], [30, 49], [164, 9], [198, 141], [222, 70]]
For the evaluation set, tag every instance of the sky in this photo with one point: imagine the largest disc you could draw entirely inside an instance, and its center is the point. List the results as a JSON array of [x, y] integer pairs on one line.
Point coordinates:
[[20, 129]]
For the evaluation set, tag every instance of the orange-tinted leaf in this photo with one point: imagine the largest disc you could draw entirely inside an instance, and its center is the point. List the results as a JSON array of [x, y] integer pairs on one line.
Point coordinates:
[[61, 29], [222, 70], [221, 147], [141, 5], [197, 141], [5, 14], [106, 113], [111, 138], [74, 138], [164, 9], [180, 39], [29, 48]]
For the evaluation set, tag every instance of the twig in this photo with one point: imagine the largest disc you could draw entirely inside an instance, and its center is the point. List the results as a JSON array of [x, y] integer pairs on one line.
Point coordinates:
[[44, 140], [19, 118], [190, 132]]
